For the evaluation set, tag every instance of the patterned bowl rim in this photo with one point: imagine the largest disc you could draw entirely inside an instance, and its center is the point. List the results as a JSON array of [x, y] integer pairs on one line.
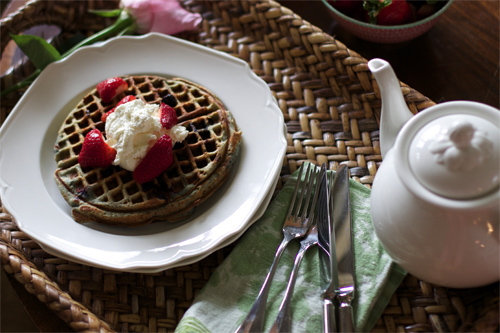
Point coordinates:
[[385, 27]]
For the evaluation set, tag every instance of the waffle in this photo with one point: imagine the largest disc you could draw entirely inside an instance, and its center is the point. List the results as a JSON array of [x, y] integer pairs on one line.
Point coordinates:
[[201, 163]]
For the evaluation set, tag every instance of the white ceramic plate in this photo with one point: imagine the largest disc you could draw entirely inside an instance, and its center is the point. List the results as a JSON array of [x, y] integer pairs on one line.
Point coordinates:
[[27, 165]]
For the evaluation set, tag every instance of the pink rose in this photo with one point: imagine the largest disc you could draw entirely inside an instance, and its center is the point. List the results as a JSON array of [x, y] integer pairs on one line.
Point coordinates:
[[163, 16]]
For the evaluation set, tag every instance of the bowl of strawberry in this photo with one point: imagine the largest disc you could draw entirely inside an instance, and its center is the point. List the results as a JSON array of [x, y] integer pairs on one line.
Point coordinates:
[[386, 21]]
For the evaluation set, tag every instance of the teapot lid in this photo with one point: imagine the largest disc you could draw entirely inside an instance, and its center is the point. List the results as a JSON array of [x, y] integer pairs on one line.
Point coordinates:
[[457, 155]]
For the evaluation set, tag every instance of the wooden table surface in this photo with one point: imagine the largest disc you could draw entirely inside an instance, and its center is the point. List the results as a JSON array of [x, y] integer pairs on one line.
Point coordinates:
[[458, 59]]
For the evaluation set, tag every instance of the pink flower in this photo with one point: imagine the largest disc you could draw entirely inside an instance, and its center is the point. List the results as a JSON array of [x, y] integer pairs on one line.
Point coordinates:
[[163, 16]]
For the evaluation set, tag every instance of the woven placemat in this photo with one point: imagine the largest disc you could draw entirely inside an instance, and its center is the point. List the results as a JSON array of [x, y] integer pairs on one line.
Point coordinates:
[[331, 106]]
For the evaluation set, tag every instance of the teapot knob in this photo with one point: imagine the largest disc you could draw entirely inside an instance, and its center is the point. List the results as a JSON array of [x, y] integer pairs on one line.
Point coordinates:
[[463, 149], [453, 152]]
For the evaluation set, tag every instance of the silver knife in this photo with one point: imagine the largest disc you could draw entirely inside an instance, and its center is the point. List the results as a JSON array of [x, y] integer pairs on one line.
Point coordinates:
[[327, 256], [344, 249]]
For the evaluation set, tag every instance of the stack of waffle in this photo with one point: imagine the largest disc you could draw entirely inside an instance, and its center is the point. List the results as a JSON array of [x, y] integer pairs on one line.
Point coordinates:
[[201, 162]]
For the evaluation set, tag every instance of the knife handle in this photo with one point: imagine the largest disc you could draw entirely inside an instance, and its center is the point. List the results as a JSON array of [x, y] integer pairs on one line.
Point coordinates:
[[345, 318], [329, 322]]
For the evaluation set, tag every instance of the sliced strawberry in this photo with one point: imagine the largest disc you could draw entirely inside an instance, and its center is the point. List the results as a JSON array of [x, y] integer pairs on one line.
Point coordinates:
[[157, 160], [168, 117], [95, 151], [124, 100], [110, 88]]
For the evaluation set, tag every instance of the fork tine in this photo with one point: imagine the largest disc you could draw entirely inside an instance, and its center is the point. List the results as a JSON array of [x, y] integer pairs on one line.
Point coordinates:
[[307, 209], [319, 175], [304, 204], [294, 196], [303, 189]]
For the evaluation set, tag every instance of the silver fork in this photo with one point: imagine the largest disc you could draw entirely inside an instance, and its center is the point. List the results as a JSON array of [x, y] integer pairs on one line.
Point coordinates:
[[296, 225], [284, 319]]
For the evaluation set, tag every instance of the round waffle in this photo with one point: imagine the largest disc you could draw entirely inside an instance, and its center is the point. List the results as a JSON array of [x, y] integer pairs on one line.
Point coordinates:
[[201, 163]]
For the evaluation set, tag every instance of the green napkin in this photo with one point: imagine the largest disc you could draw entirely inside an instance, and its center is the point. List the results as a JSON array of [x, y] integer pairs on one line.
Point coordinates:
[[229, 294]]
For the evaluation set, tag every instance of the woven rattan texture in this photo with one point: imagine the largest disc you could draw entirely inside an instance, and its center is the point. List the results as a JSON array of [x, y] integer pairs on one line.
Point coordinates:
[[331, 107]]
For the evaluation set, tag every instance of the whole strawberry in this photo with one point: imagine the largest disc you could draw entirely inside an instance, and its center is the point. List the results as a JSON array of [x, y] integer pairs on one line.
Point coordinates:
[[398, 12], [388, 12], [157, 160], [124, 100], [95, 151], [110, 88]]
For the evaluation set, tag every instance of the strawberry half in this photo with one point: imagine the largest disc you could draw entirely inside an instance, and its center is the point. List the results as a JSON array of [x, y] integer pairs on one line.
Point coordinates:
[[157, 160], [168, 117], [110, 88], [124, 100], [95, 151]]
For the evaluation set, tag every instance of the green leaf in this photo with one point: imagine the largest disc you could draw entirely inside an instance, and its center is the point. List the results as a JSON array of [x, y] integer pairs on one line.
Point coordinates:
[[106, 13], [37, 49], [373, 7]]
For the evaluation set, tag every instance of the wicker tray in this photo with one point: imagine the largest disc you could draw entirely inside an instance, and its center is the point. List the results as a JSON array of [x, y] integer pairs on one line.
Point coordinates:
[[331, 106]]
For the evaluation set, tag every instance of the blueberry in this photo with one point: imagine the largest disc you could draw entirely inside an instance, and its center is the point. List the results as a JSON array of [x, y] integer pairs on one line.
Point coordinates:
[[169, 100]]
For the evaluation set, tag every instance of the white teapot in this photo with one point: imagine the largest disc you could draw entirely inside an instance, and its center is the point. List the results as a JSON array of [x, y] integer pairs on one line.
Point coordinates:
[[435, 200]]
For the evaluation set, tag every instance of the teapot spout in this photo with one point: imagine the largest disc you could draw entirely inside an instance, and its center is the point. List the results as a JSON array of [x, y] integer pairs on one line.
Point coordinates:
[[395, 113]]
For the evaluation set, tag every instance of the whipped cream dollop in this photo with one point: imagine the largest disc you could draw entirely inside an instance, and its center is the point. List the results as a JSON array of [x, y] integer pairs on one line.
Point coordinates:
[[134, 128]]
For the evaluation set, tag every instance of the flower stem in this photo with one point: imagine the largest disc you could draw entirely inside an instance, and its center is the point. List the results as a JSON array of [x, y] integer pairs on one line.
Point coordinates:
[[124, 22]]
